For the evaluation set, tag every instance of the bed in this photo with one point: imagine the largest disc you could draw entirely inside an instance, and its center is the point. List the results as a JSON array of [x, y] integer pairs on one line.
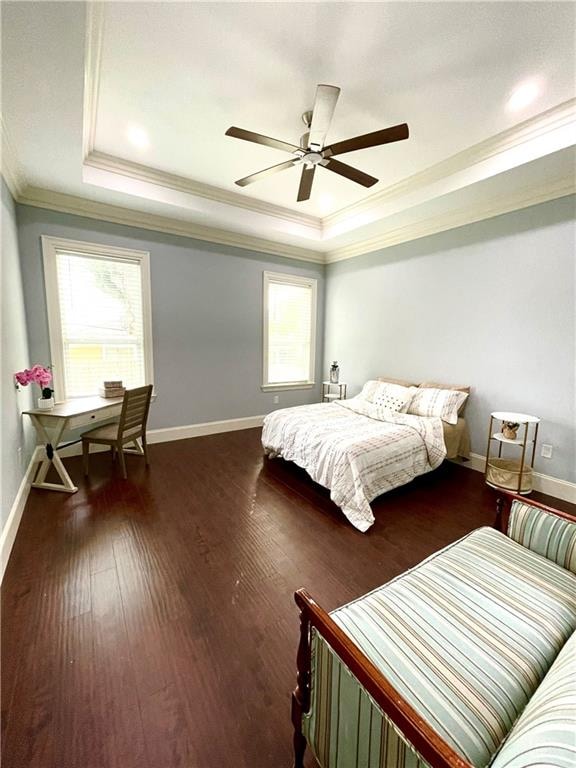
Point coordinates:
[[360, 450]]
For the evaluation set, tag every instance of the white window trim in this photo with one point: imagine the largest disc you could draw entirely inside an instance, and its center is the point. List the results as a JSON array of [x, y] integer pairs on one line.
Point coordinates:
[[50, 248], [310, 282]]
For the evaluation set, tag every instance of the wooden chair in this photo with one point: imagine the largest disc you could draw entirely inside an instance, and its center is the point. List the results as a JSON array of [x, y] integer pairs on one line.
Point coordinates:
[[130, 427]]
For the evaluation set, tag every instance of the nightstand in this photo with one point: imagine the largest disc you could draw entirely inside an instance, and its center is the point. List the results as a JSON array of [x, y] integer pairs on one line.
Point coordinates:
[[512, 474], [328, 394]]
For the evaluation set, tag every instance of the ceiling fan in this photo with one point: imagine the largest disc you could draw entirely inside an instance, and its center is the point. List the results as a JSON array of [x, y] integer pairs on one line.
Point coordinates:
[[312, 151]]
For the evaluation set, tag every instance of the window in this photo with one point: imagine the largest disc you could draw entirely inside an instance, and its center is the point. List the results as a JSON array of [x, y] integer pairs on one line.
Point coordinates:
[[289, 331], [98, 300]]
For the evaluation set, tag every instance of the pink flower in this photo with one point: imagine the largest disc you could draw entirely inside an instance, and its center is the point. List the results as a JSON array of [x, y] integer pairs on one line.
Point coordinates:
[[22, 377], [38, 374]]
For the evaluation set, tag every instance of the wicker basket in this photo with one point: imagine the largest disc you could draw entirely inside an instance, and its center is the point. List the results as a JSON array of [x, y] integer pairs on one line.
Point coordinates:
[[504, 473]]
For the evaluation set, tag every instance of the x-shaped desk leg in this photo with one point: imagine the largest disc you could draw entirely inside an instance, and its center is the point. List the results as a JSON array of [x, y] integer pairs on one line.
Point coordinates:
[[50, 456]]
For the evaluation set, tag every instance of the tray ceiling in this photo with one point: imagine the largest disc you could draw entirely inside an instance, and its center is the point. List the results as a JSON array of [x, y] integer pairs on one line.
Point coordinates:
[[126, 104]]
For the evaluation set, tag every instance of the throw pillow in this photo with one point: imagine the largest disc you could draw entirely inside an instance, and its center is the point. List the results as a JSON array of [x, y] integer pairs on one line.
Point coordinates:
[[444, 403]]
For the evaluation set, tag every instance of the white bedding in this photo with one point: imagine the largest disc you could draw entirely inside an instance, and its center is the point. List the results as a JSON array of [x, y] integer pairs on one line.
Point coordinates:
[[356, 449]]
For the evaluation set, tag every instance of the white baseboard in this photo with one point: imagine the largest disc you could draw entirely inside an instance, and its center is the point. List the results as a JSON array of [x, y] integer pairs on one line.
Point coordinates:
[[553, 486], [167, 434], [208, 428], [10, 529]]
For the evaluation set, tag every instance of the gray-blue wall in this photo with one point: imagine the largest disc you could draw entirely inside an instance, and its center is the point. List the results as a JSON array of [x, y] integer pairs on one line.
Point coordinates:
[[206, 316], [16, 441], [490, 305]]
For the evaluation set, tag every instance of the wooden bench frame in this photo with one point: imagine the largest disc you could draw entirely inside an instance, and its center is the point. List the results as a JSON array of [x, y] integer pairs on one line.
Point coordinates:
[[425, 740]]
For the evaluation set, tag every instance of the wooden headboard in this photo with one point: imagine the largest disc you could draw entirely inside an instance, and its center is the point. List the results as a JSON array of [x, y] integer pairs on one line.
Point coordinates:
[[401, 382]]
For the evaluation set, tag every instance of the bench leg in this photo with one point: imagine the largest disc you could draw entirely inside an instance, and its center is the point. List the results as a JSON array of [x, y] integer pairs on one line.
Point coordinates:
[[301, 695], [299, 749]]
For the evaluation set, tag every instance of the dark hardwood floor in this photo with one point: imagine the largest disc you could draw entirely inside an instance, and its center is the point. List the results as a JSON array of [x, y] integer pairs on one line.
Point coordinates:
[[149, 623]]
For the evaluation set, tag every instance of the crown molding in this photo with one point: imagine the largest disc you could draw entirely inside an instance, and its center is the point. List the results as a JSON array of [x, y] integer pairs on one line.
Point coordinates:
[[562, 116], [456, 218], [58, 201], [92, 61], [462, 169], [533, 138], [95, 26], [144, 173], [11, 170]]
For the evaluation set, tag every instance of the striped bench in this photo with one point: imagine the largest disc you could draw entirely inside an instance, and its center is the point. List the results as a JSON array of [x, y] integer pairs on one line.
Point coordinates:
[[454, 663]]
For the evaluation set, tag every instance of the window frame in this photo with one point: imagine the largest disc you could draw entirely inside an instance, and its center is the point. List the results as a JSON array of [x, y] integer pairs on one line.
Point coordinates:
[[287, 279], [51, 246]]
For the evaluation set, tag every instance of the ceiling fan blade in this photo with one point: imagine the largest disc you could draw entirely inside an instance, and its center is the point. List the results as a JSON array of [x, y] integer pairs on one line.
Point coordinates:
[[375, 139], [322, 113], [306, 180], [258, 138], [350, 173], [266, 172]]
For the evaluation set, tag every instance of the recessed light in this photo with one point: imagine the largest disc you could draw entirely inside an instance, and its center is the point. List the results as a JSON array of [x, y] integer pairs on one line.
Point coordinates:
[[524, 94], [138, 137]]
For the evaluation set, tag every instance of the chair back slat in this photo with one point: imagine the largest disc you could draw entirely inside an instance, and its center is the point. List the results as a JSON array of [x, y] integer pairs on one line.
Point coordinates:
[[135, 408]]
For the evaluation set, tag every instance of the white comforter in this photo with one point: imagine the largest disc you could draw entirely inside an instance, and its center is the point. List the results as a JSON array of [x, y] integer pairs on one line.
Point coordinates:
[[355, 449]]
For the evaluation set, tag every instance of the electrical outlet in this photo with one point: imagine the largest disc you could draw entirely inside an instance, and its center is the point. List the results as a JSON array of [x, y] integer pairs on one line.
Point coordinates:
[[276, 398], [546, 451], [19, 455]]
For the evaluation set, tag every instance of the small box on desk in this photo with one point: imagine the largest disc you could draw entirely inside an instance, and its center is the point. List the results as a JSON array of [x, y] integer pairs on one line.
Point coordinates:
[[115, 391]]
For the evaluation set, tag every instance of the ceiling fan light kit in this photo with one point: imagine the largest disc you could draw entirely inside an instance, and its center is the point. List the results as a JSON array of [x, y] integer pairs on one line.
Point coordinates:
[[312, 151]]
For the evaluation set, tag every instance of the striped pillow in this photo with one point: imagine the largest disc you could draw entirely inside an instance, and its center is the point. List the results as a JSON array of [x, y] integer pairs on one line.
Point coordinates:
[[444, 403], [545, 732], [544, 533]]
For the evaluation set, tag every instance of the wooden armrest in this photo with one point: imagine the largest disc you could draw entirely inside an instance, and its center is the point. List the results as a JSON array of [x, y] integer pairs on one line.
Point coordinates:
[[435, 751], [504, 505]]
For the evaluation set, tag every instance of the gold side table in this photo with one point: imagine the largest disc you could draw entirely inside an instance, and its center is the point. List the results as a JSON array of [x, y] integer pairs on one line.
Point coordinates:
[[506, 473]]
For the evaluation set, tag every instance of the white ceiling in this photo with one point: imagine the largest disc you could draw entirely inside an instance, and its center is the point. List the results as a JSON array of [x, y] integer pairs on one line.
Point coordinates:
[[185, 72]]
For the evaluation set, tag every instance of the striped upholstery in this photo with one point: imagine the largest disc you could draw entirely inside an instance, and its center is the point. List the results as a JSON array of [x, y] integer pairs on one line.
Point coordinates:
[[544, 533], [545, 734], [466, 637], [362, 735]]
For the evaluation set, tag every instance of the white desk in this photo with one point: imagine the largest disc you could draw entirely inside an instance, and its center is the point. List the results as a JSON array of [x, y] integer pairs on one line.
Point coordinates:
[[50, 426]]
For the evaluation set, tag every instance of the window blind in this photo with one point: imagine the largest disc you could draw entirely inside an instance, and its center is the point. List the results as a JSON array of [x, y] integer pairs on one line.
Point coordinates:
[[102, 324], [290, 329]]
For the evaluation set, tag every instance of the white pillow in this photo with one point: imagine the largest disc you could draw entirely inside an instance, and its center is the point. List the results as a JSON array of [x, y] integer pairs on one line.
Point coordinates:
[[369, 390], [444, 403], [393, 397]]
